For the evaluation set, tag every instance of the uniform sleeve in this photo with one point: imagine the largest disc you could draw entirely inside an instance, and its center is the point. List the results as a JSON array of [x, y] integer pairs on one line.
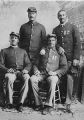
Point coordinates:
[[21, 37], [2, 62], [27, 63], [76, 42], [63, 66], [43, 37]]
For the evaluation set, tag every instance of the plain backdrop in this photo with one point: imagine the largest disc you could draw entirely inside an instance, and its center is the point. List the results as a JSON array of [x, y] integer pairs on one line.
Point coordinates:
[[13, 14]]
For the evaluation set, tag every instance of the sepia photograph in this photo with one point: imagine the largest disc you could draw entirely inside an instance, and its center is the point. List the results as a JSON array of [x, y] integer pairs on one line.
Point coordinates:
[[41, 60]]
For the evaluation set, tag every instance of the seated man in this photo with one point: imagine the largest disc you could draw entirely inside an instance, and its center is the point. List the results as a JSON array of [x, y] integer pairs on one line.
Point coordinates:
[[51, 67], [15, 64]]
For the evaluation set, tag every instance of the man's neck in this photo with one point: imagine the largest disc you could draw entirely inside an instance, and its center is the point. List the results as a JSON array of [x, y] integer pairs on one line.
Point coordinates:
[[32, 21], [53, 48], [62, 24]]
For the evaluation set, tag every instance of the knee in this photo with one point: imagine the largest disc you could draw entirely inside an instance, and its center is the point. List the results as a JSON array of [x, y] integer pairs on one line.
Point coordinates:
[[11, 77], [26, 77], [53, 79], [69, 78], [34, 79]]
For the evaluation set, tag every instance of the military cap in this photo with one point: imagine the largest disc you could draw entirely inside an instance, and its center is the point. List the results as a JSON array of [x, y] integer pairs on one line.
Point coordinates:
[[51, 35], [31, 9], [14, 34]]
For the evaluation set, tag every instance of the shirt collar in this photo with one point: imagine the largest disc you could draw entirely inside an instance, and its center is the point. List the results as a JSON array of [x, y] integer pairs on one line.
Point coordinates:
[[52, 48]]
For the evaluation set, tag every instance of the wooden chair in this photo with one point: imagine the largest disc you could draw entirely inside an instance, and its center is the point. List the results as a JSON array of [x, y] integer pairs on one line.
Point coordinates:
[[43, 93]]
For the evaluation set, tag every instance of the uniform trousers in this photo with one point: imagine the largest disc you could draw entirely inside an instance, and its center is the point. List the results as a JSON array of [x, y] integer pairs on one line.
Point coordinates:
[[52, 81], [9, 82]]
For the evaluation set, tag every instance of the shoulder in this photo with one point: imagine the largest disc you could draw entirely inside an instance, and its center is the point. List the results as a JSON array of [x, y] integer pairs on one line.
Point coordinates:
[[24, 25], [40, 25], [56, 28], [4, 50], [21, 50], [71, 25], [63, 57]]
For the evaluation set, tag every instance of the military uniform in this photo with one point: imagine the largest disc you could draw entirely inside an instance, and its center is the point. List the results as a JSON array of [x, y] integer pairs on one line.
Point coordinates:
[[17, 59], [68, 37], [32, 38]]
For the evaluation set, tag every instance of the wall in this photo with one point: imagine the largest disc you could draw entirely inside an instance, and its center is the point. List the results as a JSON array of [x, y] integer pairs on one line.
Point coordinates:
[[13, 14]]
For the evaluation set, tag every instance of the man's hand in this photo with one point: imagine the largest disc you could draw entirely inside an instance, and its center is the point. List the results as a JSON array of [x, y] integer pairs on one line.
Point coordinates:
[[69, 64], [75, 62], [42, 52], [24, 71], [52, 73], [26, 76], [37, 72], [10, 70], [61, 50]]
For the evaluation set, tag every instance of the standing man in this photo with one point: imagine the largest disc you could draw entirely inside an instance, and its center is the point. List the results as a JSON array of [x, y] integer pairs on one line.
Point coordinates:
[[15, 64], [51, 67], [32, 36], [68, 37]]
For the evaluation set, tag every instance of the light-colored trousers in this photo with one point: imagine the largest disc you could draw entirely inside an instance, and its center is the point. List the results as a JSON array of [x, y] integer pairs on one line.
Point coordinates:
[[9, 82], [52, 80]]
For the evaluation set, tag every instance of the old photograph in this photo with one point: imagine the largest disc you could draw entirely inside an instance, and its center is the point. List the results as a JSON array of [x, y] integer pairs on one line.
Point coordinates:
[[41, 59]]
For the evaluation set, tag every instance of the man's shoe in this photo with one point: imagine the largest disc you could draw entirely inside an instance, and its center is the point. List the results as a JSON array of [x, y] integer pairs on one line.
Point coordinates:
[[45, 111], [9, 106], [19, 107], [38, 108], [68, 109], [51, 110]]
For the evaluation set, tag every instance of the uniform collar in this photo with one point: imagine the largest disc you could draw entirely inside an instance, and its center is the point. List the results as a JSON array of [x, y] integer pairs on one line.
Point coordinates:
[[34, 23], [64, 23], [14, 46]]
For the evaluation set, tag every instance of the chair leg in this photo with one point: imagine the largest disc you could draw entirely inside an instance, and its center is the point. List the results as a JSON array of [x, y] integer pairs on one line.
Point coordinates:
[[54, 98], [54, 101]]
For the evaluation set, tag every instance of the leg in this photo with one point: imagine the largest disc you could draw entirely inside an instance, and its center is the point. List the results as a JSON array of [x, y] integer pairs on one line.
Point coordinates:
[[34, 82], [69, 89], [52, 83], [52, 80], [69, 93], [82, 96], [25, 88], [9, 79]]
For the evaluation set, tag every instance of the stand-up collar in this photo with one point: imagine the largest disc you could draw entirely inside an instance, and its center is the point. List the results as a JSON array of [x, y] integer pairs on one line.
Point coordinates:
[[33, 23], [64, 23]]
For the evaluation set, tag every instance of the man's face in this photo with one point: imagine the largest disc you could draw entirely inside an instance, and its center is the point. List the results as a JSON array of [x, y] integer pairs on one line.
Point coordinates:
[[52, 42], [62, 17], [14, 40], [32, 16]]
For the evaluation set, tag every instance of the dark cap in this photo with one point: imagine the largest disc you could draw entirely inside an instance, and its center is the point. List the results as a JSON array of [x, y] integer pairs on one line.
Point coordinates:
[[31, 9], [51, 35], [15, 34]]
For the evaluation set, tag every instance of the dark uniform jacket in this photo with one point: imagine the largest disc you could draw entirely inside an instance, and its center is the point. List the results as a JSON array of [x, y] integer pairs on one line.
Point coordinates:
[[32, 39], [68, 37], [15, 58], [52, 61]]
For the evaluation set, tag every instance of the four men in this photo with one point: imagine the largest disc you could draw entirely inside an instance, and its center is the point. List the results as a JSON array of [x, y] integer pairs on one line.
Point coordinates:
[[50, 66]]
